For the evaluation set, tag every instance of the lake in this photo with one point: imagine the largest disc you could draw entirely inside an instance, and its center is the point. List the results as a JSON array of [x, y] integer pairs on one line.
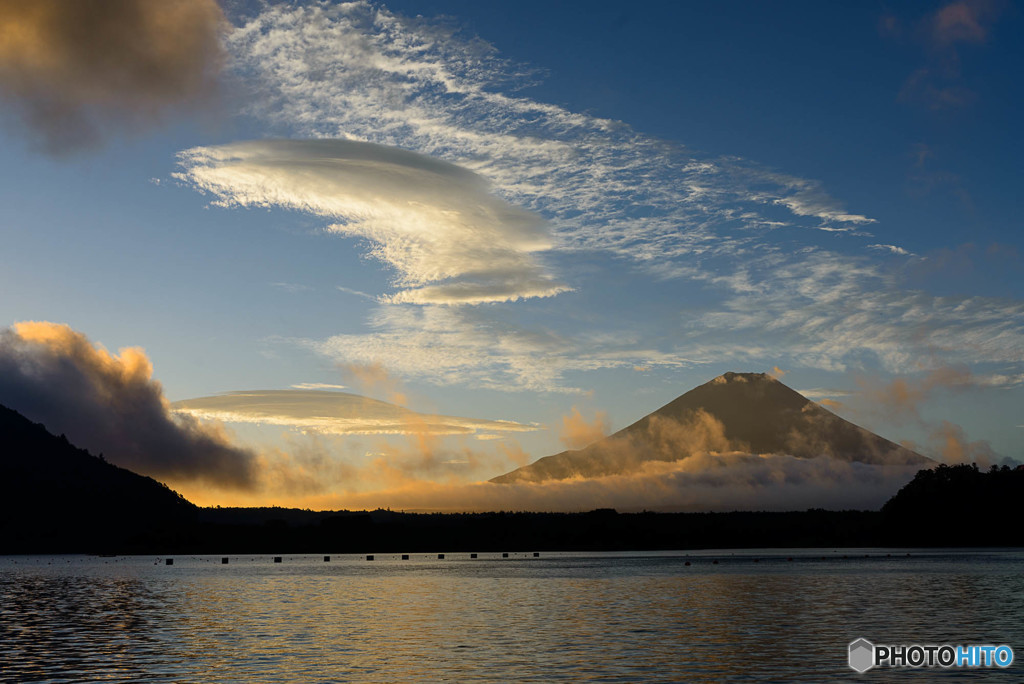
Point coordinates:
[[755, 615]]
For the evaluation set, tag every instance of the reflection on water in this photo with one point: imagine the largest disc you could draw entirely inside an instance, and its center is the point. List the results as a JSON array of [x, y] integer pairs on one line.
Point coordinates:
[[602, 617]]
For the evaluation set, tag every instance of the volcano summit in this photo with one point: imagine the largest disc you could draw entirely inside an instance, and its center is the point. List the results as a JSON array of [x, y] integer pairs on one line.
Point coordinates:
[[749, 413]]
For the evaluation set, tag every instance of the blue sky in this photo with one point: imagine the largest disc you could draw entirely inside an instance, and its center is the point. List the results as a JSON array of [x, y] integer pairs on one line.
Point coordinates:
[[658, 194]]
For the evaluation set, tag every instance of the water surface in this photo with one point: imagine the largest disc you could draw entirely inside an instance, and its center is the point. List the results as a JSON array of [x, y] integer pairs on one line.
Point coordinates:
[[755, 615]]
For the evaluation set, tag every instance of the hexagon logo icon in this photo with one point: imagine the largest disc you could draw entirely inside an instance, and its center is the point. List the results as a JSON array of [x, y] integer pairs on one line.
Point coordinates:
[[862, 655]]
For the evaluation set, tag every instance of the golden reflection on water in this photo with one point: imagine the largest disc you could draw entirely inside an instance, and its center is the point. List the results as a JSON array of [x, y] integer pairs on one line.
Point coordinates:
[[559, 618]]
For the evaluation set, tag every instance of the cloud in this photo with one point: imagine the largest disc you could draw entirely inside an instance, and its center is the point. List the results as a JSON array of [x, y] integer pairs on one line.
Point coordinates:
[[712, 482], [317, 386], [110, 404], [900, 398], [964, 21], [820, 392], [941, 82], [964, 260], [422, 472], [373, 377], [79, 71], [479, 346], [578, 432], [361, 71], [951, 444], [892, 249], [777, 373], [937, 89], [292, 287], [748, 241], [357, 293], [447, 237], [337, 413], [835, 312]]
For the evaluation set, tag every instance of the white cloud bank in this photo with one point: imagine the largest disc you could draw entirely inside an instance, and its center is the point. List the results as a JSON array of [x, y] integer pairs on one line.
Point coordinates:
[[709, 482], [449, 240]]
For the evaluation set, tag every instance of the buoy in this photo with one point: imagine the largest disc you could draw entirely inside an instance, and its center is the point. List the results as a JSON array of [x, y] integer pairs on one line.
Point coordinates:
[[169, 561], [440, 556], [277, 559], [327, 559], [369, 558], [472, 555], [405, 556], [536, 555], [504, 555], [687, 563], [714, 562], [224, 560]]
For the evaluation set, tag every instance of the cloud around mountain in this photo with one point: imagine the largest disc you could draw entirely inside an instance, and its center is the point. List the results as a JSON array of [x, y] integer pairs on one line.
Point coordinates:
[[732, 415]]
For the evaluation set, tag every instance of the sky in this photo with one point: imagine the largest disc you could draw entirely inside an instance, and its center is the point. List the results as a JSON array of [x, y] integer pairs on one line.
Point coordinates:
[[519, 226]]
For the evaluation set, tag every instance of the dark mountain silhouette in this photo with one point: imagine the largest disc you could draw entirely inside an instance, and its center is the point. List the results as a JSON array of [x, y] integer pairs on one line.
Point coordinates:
[[748, 412], [55, 495]]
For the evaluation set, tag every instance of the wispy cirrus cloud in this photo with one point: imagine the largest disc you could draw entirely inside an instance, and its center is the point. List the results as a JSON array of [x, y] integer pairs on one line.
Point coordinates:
[[360, 71], [449, 346], [770, 266], [448, 239], [833, 312], [891, 249]]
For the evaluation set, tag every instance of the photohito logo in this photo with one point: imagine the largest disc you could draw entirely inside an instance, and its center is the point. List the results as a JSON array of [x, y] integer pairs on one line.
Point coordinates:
[[865, 655]]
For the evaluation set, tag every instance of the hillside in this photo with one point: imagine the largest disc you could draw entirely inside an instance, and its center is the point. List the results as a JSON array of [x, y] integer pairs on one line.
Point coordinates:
[[53, 493]]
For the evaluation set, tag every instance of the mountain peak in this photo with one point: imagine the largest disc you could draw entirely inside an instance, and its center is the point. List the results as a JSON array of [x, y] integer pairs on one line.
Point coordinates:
[[734, 378], [740, 412]]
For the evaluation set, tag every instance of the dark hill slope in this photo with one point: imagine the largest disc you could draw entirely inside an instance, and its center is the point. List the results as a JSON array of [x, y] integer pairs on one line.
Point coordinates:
[[55, 495]]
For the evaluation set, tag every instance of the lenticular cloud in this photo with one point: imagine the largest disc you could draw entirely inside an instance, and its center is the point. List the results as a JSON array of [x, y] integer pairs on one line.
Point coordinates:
[[436, 224]]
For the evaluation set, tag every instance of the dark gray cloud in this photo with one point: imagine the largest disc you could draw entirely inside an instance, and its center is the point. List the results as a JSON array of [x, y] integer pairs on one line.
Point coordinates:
[[110, 404], [77, 70]]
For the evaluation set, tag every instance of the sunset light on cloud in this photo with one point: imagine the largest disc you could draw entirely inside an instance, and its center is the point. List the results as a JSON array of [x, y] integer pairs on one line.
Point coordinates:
[[361, 255]]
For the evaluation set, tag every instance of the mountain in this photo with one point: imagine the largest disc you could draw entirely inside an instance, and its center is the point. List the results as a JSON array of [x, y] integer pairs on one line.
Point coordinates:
[[748, 412], [55, 495]]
